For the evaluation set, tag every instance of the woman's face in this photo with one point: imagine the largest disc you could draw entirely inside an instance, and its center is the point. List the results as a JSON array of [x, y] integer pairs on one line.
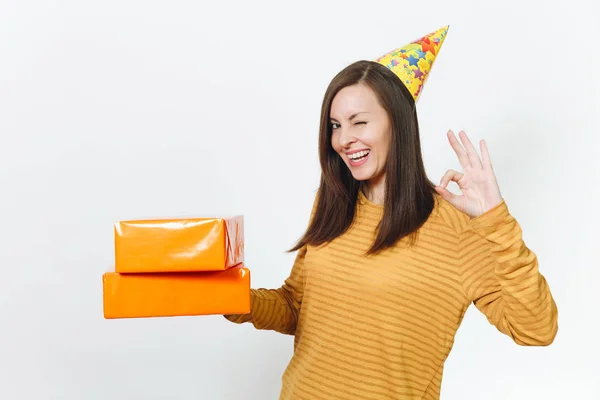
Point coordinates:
[[361, 132]]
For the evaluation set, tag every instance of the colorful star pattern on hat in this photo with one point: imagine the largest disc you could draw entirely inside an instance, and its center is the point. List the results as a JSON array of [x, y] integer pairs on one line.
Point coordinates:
[[412, 63]]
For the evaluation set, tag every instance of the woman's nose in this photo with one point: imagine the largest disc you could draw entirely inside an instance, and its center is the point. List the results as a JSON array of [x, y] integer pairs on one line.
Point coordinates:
[[346, 138]]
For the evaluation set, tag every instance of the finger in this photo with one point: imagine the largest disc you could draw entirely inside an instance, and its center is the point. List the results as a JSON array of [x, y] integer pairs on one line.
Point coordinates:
[[472, 153], [447, 195], [485, 155], [450, 175], [463, 157]]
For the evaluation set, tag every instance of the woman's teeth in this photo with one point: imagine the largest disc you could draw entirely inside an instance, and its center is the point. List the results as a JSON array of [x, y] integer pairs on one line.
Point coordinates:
[[359, 155]]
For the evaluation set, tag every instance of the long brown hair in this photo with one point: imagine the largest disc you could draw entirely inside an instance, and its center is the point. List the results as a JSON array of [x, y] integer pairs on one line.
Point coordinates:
[[409, 194]]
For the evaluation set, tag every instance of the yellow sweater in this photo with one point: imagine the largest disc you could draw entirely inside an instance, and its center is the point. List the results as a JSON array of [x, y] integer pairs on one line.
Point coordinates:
[[381, 327]]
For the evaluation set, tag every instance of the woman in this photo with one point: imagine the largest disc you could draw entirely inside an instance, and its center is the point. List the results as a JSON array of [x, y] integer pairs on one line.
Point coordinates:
[[390, 262]]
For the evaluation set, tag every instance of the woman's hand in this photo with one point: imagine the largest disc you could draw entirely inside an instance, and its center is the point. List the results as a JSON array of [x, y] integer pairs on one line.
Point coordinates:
[[478, 183]]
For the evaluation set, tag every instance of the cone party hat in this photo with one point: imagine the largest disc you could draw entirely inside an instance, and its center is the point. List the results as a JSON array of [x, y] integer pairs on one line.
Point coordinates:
[[412, 63]]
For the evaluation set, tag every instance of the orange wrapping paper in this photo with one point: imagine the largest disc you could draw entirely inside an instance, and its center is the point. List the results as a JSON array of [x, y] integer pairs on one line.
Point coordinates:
[[179, 245], [176, 294]]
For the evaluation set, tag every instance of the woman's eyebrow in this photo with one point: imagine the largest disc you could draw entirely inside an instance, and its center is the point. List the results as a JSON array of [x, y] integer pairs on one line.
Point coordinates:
[[352, 116]]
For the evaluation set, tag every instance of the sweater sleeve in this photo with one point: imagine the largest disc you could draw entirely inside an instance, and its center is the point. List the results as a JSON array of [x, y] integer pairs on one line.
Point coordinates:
[[277, 309], [500, 275]]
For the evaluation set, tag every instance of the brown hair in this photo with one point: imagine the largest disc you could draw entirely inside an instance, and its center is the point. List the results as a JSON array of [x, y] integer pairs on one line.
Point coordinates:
[[409, 195]]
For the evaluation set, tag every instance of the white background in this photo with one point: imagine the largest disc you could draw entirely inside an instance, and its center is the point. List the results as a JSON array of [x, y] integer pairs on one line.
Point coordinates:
[[129, 109]]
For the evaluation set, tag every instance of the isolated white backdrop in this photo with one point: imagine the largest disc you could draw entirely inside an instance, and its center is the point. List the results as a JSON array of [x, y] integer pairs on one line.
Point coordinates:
[[130, 109]]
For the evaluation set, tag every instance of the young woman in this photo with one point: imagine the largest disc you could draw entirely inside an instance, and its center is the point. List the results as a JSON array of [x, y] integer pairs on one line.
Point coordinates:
[[390, 262]]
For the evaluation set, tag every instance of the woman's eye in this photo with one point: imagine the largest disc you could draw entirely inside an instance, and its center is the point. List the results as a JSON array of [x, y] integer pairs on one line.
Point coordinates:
[[362, 122], [334, 125]]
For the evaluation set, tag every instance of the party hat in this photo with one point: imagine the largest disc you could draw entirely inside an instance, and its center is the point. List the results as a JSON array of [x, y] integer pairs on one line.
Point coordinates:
[[412, 63]]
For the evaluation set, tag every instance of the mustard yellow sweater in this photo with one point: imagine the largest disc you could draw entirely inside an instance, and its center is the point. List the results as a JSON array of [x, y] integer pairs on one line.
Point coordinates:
[[381, 327]]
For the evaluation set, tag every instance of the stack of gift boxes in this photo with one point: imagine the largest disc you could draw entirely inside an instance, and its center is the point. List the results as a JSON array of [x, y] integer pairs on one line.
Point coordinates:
[[177, 267]]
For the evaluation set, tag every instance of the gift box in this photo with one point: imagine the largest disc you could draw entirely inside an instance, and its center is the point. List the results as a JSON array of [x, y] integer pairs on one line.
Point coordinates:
[[178, 245], [142, 295]]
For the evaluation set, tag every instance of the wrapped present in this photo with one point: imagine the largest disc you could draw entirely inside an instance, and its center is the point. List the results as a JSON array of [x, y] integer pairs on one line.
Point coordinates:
[[176, 293], [178, 245]]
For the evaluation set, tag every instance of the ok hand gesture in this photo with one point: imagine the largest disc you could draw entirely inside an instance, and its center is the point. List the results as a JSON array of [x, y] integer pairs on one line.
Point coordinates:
[[477, 182]]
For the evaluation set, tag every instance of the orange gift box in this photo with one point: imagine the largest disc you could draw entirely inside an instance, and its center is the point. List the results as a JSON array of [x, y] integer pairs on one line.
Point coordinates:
[[176, 294], [178, 245]]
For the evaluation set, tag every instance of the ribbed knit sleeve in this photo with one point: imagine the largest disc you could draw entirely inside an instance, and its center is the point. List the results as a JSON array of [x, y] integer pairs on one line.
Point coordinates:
[[500, 274], [277, 309]]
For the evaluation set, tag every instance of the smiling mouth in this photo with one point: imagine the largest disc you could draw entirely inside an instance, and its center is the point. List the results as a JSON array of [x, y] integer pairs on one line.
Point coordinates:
[[358, 156]]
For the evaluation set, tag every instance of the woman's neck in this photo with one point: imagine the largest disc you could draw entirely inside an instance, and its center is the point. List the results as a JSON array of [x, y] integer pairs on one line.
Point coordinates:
[[374, 191]]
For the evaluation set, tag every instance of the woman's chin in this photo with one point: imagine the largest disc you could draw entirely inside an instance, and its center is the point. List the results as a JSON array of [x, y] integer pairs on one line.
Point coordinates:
[[361, 175]]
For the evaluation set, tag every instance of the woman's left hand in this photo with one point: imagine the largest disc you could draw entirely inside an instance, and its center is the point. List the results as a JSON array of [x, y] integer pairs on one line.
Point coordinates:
[[478, 183]]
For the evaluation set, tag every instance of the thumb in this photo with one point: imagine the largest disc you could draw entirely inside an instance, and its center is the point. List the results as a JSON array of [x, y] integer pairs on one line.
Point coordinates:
[[447, 195]]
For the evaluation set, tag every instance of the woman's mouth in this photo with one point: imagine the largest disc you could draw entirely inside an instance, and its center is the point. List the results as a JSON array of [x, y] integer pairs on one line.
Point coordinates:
[[358, 158]]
